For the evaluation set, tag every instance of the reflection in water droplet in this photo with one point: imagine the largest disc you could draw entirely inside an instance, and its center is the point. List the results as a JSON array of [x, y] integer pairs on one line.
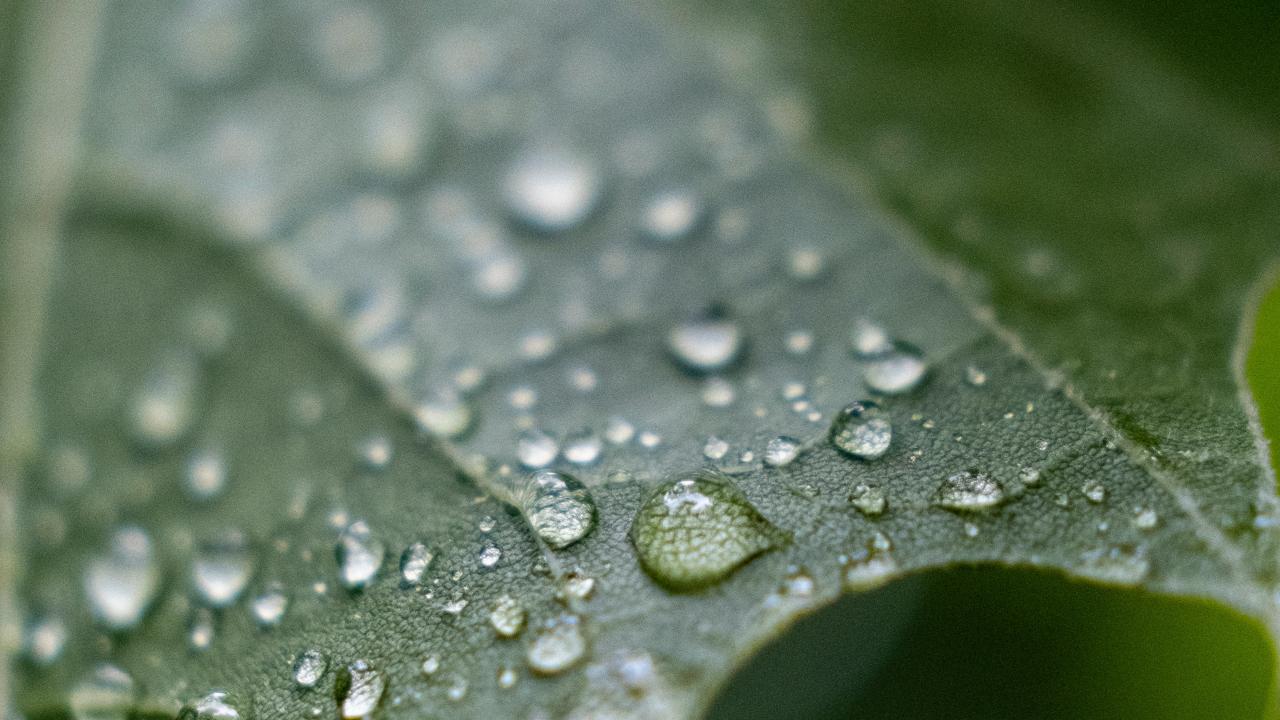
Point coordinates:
[[556, 505], [507, 677], [309, 668], [861, 430], [359, 556], [107, 693], [558, 645], [221, 569], [414, 562], [898, 371], [359, 690], [506, 616], [975, 376], [969, 490], [697, 530], [431, 665], [551, 190], [121, 584], [706, 344], [781, 451]]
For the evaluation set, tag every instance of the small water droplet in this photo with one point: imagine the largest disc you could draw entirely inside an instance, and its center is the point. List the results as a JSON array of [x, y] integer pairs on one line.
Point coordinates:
[[490, 556], [558, 645], [1145, 518], [414, 562], [107, 693], [200, 629], [799, 342], [359, 556], [507, 677], [869, 340], [672, 215], [971, 530], [431, 665], [205, 476], [557, 506], [221, 569], [1030, 476], [443, 414], [1117, 565], [868, 499], [507, 616], [536, 449], [217, 705], [619, 431], [309, 668], [268, 607], [806, 263], [718, 393], [781, 451], [1094, 491], [869, 569], [707, 343], [861, 430], [975, 376], [583, 448], [715, 448], [121, 584], [457, 691], [375, 452], [969, 490], [649, 439], [698, 529], [551, 189], [359, 689], [898, 371], [164, 408], [578, 586], [43, 640]]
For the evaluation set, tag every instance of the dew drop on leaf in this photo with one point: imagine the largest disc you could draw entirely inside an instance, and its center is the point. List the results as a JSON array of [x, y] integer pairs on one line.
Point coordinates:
[[121, 584], [706, 343], [557, 506], [696, 530], [557, 646], [583, 448], [1145, 518], [200, 629], [490, 556], [205, 476], [895, 372], [715, 448], [619, 430], [221, 569], [536, 449], [1094, 491], [414, 562], [869, 340], [781, 451], [861, 430], [309, 668], [869, 500], [163, 409], [106, 693], [506, 616], [216, 705], [443, 414], [359, 689], [671, 215], [1116, 565], [375, 452], [268, 607], [868, 569], [43, 640], [969, 490], [551, 189], [359, 556]]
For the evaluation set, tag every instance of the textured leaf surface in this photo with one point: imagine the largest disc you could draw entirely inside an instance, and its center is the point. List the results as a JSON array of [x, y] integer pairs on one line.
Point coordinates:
[[343, 212]]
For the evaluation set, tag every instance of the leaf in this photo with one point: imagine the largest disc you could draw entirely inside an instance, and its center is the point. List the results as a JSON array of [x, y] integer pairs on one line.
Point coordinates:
[[544, 226]]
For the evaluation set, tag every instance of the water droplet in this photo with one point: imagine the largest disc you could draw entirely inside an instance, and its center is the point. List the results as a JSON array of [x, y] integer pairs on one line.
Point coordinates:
[[969, 490], [861, 430], [1145, 518], [706, 344], [718, 392], [715, 449], [506, 616], [551, 190], [349, 44], [672, 215], [869, 569], [359, 556], [43, 640], [558, 645], [443, 414], [619, 431], [486, 524], [869, 340], [1117, 565], [205, 476], [200, 629], [507, 677], [799, 342], [359, 690], [974, 376], [414, 562], [1029, 476], [121, 584], [536, 449], [269, 606], [217, 705], [806, 263], [107, 693], [557, 506], [698, 529], [375, 452], [868, 499], [162, 411], [1094, 491], [578, 586], [455, 606], [221, 569], [971, 530], [490, 556], [898, 371], [781, 451], [309, 668], [583, 448]]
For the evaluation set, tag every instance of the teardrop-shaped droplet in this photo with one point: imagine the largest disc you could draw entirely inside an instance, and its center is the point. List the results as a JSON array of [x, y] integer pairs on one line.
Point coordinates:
[[359, 690], [862, 430], [107, 693], [698, 529], [221, 569], [309, 668], [551, 189], [217, 705], [970, 490], [359, 556], [557, 506], [706, 344], [781, 451], [414, 562], [558, 645], [121, 584], [895, 372], [507, 616]]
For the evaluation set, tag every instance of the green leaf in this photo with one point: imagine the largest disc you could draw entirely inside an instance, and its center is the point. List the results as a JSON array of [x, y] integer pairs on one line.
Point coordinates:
[[367, 262]]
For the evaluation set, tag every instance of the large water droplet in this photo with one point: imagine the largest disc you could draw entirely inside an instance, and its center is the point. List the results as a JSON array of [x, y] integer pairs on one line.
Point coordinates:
[[414, 562], [969, 490], [359, 556], [309, 668], [359, 689], [698, 529], [551, 190], [558, 645], [862, 430], [898, 371], [221, 569], [121, 584], [105, 694], [217, 705], [557, 506], [507, 616], [706, 344]]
